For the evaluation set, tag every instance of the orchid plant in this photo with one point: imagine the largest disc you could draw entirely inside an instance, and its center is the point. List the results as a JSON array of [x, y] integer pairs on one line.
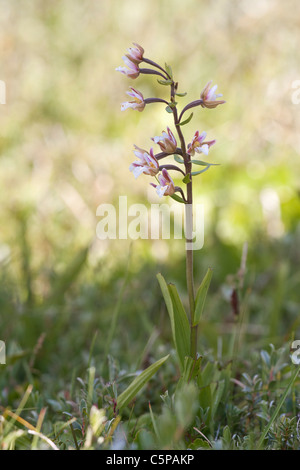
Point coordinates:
[[184, 325]]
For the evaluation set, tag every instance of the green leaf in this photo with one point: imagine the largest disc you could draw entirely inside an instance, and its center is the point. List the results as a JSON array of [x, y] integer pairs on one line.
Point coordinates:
[[207, 375], [179, 322], [218, 394], [165, 82], [178, 159], [169, 110], [168, 301], [169, 70], [177, 198], [181, 94], [191, 370], [201, 296], [205, 399], [199, 444], [154, 422], [182, 324], [187, 371], [195, 173], [186, 179], [201, 162], [227, 435], [187, 120], [186, 404], [138, 383]]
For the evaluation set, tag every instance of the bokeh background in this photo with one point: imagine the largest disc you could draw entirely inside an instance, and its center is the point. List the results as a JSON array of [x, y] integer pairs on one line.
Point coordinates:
[[66, 147]]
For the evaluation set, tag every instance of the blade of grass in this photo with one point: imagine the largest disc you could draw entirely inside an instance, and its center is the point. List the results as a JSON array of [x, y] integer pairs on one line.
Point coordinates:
[[154, 422], [178, 319], [19, 409], [74, 437], [138, 383], [153, 337], [278, 407], [92, 349], [201, 296], [38, 427], [90, 393], [44, 438], [19, 419], [183, 334]]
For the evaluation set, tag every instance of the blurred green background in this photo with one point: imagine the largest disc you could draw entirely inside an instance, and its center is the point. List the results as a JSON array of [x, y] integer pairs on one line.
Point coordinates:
[[66, 148]]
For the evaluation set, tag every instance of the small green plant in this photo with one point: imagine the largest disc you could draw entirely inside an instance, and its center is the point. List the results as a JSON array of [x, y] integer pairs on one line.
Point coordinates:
[[184, 325]]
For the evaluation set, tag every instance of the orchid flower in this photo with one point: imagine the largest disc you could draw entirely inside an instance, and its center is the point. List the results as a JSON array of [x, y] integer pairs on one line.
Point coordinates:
[[138, 102], [166, 141], [135, 54], [166, 185], [132, 71], [209, 97], [146, 164], [198, 145]]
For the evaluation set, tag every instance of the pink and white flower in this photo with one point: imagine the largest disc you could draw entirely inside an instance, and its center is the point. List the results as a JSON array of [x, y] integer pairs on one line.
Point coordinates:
[[199, 145], [209, 96], [166, 141], [146, 164], [135, 54], [132, 71], [166, 185], [138, 102]]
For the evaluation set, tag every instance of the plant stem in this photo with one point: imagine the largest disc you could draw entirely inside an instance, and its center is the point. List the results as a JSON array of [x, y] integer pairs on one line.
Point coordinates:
[[152, 72], [161, 155], [189, 264], [172, 167], [154, 64], [188, 228], [155, 100], [189, 106]]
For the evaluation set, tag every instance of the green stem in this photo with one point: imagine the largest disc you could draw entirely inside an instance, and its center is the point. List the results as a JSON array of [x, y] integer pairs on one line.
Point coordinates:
[[189, 229], [189, 266]]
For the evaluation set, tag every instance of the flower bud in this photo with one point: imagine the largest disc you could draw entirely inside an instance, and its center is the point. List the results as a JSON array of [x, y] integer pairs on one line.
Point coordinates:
[[135, 54], [209, 97]]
